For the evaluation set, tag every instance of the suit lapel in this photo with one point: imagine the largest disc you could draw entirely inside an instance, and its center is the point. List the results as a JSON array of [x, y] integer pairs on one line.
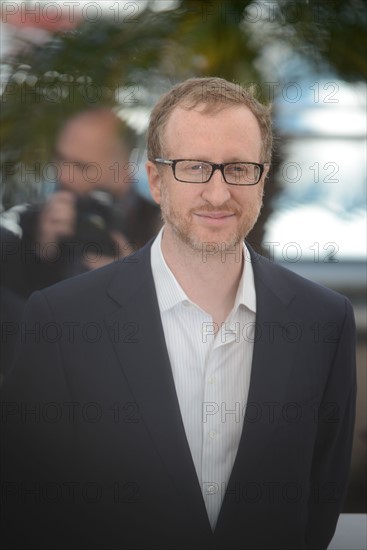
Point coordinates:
[[272, 362], [277, 341], [146, 367]]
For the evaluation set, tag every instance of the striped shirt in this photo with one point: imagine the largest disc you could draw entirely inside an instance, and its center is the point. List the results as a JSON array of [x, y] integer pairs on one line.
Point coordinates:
[[211, 373]]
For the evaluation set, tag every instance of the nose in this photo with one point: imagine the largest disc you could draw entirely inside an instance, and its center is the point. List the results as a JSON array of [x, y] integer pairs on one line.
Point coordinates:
[[216, 191]]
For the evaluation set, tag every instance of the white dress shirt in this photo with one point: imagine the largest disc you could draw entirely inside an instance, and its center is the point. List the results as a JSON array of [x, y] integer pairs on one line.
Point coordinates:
[[211, 373]]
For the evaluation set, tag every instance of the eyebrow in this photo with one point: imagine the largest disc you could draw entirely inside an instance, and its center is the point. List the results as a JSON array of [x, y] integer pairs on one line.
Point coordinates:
[[59, 156], [234, 159]]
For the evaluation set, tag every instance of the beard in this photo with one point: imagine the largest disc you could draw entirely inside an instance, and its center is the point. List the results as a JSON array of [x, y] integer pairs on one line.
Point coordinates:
[[195, 237]]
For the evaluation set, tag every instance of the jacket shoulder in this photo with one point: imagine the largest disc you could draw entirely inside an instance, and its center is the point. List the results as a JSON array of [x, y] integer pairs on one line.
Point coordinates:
[[289, 284], [93, 284]]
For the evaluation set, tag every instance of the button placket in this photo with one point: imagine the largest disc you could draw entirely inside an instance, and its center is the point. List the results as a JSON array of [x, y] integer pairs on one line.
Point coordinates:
[[211, 433]]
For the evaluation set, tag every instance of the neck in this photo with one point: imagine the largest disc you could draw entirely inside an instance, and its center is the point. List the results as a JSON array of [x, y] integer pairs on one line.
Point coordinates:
[[210, 277]]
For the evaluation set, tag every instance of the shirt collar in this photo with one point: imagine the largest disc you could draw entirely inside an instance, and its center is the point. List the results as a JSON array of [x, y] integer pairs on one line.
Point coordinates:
[[170, 293]]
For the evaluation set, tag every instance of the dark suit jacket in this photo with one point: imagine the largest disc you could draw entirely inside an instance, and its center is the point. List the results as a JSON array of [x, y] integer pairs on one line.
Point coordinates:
[[97, 454]]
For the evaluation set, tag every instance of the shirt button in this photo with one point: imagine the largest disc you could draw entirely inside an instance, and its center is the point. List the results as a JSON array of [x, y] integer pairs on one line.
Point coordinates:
[[186, 303], [212, 434], [211, 379], [211, 489]]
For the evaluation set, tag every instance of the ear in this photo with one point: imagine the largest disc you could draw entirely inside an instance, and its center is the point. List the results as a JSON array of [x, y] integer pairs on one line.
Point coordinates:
[[154, 180], [266, 171]]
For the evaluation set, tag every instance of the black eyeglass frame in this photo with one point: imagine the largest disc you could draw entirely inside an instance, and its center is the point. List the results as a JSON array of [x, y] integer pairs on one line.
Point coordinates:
[[215, 166]]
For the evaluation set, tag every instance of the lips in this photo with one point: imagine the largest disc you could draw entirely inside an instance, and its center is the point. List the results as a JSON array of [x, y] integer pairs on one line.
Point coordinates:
[[215, 218], [215, 215]]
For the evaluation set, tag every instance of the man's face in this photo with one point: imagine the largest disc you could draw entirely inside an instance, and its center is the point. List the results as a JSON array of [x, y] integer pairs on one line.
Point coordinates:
[[214, 212], [89, 157]]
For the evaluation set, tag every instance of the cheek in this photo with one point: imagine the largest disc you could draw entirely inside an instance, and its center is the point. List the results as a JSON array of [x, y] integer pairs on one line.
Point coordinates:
[[249, 196], [170, 194]]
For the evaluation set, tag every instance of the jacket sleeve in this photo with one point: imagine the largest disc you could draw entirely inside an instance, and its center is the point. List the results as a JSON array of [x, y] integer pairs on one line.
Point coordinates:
[[36, 432], [333, 445]]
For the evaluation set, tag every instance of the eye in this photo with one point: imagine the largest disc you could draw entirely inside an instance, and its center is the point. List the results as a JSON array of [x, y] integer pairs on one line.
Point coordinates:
[[192, 166], [236, 168], [196, 167]]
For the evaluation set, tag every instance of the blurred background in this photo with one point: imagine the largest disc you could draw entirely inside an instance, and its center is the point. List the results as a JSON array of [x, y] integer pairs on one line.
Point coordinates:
[[60, 59]]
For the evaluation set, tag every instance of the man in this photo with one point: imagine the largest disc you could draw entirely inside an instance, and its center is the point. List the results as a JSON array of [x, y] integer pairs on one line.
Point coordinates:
[[93, 217], [193, 395]]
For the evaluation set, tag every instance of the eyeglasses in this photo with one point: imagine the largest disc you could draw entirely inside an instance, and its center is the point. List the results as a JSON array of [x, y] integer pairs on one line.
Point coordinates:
[[199, 171]]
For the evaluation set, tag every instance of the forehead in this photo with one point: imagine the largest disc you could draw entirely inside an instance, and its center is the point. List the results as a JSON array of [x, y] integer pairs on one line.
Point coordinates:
[[91, 134], [228, 131], [84, 133]]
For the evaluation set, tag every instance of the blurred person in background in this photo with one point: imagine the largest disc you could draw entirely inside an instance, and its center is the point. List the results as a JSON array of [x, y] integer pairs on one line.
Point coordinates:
[[11, 307], [93, 217]]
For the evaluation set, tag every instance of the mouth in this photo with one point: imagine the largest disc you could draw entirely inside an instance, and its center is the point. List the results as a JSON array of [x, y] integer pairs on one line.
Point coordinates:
[[215, 217]]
